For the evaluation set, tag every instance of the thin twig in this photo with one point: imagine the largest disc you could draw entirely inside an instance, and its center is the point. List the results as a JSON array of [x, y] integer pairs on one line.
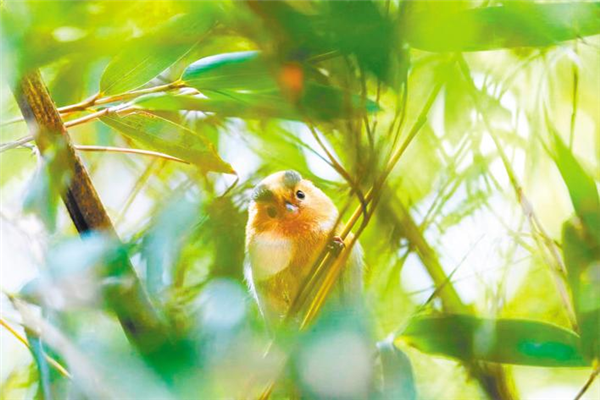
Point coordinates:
[[121, 109], [130, 151], [17, 143], [12, 121], [96, 100], [137, 189], [150, 153], [62, 370], [339, 168], [589, 382]]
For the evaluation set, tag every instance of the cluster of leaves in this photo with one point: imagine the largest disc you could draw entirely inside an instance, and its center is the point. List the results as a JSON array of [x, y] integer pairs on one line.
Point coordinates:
[[215, 84]]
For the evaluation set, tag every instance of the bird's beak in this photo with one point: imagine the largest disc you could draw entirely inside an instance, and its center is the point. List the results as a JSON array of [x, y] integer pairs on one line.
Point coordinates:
[[290, 207]]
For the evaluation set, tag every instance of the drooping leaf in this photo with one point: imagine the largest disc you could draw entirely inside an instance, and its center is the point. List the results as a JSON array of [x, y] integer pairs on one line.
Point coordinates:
[[513, 24], [39, 355], [224, 104], [168, 137], [582, 260], [582, 188], [146, 57], [245, 70], [318, 102], [398, 377], [510, 341]]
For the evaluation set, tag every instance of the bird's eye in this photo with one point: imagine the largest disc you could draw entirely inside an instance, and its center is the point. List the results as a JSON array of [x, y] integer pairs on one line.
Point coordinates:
[[300, 194], [272, 212]]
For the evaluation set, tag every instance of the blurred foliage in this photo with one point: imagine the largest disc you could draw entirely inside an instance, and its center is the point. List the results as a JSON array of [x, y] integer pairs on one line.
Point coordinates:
[[482, 248]]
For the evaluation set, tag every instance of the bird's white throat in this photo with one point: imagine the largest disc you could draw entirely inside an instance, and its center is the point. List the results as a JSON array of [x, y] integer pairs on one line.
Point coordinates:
[[269, 254]]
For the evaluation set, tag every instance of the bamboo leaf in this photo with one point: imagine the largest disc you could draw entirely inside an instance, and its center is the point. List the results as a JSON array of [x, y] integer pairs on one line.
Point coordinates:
[[327, 102], [146, 57], [513, 24], [582, 260], [371, 38], [581, 186], [39, 355], [248, 72], [317, 102], [521, 342], [245, 70], [168, 137], [353, 28], [224, 104], [398, 378]]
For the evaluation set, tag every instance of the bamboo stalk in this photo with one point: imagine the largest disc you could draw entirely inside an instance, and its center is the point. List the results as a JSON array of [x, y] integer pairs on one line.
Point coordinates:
[[130, 302]]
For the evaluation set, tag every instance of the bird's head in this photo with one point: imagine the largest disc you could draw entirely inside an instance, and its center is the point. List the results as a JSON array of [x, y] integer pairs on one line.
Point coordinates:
[[287, 204]]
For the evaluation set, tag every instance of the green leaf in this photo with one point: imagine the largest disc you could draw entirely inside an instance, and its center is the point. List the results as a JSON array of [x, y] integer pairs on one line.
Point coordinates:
[[327, 102], [581, 186], [168, 137], [398, 377], [39, 355], [582, 260], [428, 26], [521, 342], [146, 57], [318, 102], [245, 70], [224, 104], [248, 71], [360, 29], [342, 28]]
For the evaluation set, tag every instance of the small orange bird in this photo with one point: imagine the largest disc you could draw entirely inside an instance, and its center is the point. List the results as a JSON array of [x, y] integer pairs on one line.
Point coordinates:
[[290, 223]]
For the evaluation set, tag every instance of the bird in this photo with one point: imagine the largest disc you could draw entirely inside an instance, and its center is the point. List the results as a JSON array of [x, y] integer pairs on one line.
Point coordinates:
[[290, 223]]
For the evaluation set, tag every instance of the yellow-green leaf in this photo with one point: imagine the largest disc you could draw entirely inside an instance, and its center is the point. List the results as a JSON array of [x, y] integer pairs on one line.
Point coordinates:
[[165, 136], [433, 26], [145, 57], [581, 186], [510, 341]]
